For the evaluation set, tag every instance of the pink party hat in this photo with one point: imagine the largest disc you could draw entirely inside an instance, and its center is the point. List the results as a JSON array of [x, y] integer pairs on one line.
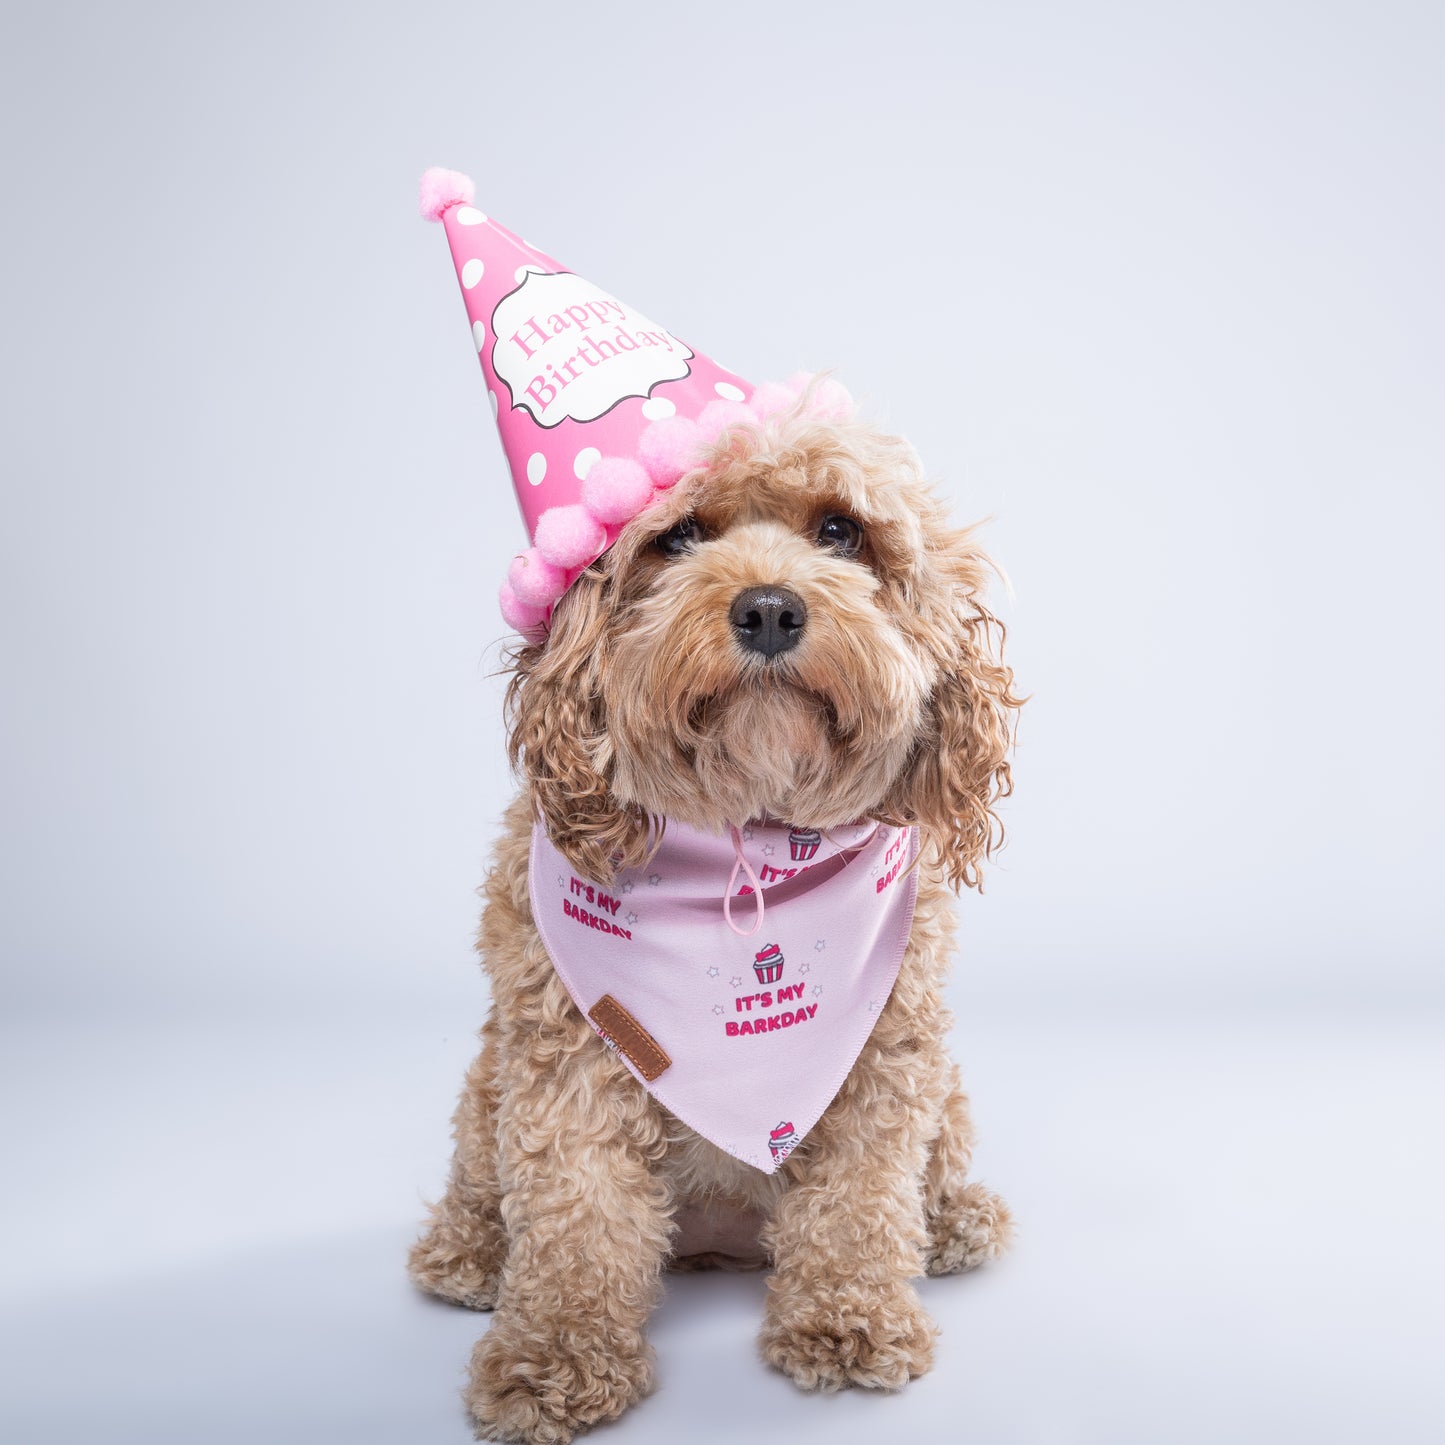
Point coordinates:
[[599, 409]]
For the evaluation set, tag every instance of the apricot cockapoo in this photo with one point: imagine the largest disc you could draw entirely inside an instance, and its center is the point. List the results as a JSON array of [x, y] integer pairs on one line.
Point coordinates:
[[794, 632]]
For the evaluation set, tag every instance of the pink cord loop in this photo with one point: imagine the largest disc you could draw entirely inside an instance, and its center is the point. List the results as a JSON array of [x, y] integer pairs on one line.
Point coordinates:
[[741, 865]]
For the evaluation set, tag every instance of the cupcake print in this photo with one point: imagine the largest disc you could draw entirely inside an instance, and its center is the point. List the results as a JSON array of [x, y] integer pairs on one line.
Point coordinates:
[[768, 964]]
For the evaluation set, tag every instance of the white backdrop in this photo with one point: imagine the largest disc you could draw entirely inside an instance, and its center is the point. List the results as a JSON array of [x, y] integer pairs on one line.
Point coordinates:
[[1158, 293], [1156, 288]]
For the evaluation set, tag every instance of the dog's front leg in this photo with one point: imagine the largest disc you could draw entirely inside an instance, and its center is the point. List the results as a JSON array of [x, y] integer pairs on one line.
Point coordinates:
[[461, 1253], [589, 1223], [846, 1236]]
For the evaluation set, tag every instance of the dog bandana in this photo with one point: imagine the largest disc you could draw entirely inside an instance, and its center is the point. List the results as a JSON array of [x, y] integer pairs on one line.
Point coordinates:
[[737, 977]]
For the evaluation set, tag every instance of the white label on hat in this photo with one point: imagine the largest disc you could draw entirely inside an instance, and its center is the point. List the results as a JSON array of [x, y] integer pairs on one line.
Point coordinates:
[[566, 349]]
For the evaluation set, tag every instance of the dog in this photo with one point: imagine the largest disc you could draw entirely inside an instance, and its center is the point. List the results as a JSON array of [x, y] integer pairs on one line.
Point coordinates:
[[795, 631]]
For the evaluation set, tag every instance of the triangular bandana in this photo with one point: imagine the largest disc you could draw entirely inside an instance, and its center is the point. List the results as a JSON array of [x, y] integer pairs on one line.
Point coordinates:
[[744, 1036]]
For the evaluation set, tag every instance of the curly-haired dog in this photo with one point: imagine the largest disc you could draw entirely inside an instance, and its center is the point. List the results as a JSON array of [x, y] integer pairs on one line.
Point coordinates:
[[883, 696]]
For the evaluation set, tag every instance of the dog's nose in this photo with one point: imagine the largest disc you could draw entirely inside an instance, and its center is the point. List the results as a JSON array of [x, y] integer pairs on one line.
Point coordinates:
[[768, 619]]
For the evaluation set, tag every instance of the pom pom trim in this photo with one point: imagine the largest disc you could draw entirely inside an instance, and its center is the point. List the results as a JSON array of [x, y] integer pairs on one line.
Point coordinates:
[[625, 486]]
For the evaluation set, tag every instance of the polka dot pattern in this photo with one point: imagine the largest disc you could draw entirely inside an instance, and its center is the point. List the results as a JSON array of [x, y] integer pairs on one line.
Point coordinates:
[[612, 449]]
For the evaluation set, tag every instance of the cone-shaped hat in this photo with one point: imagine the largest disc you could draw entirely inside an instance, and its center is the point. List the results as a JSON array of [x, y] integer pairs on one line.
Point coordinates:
[[597, 406]]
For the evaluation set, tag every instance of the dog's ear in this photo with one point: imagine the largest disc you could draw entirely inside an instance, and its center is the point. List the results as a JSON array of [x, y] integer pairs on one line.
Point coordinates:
[[557, 738], [959, 768]]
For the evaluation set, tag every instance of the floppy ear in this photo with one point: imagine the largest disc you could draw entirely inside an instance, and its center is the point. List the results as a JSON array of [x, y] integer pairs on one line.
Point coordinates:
[[558, 741], [959, 768]]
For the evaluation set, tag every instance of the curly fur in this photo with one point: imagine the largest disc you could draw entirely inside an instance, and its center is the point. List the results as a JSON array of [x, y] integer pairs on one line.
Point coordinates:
[[571, 1188]]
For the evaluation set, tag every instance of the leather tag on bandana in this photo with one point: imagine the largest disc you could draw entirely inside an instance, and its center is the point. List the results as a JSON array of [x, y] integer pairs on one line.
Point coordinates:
[[630, 1037]]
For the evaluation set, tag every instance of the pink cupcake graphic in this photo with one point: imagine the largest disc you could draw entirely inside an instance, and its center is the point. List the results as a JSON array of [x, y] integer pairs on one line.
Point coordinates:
[[768, 964], [782, 1139], [804, 843]]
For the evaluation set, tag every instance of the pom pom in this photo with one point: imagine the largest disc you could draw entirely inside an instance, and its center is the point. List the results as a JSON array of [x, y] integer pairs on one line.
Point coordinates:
[[441, 189], [526, 618], [831, 400], [669, 448], [827, 399], [718, 416], [773, 397], [534, 580], [616, 489], [569, 537]]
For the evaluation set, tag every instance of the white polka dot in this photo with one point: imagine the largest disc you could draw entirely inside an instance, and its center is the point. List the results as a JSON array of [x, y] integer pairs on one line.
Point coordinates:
[[728, 391], [522, 272], [492, 397], [469, 216], [657, 407], [479, 333], [472, 273], [587, 458], [536, 468]]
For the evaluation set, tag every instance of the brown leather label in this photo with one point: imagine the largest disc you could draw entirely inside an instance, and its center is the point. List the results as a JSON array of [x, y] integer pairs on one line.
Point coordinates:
[[630, 1037]]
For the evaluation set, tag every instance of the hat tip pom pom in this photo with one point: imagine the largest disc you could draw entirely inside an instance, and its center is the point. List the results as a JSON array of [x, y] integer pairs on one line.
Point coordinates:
[[441, 189]]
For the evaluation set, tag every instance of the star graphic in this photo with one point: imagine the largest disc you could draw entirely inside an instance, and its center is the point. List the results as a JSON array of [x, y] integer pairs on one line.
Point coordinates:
[[768, 850], [821, 944], [717, 1008], [735, 981], [561, 881], [747, 835], [628, 886], [713, 971], [804, 966], [872, 1005], [817, 989], [654, 879], [632, 918]]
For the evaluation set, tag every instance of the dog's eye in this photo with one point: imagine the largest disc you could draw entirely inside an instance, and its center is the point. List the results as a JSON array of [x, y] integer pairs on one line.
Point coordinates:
[[842, 534], [681, 538]]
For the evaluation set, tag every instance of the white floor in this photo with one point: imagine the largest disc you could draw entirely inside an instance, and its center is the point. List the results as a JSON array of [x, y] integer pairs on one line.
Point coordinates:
[[1230, 1232]]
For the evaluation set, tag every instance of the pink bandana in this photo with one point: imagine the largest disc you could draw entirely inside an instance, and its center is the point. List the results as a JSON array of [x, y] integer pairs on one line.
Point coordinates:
[[741, 1008]]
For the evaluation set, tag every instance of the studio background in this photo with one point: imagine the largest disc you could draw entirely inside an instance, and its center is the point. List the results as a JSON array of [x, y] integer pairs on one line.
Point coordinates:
[[1155, 288]]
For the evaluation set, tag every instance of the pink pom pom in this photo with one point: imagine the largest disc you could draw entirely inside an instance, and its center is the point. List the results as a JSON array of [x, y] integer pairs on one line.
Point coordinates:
[[831, 400], [441, 189], [771, 398], [534, 580], [616, 489], [569, 537], [717, 416], [526, 618], [669, 448], [797, 383]]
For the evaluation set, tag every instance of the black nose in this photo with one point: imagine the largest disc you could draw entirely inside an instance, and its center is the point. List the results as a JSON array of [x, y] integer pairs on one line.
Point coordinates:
[[768, 619]]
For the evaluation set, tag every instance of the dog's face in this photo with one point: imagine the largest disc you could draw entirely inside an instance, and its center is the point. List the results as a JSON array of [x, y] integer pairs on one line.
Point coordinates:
[[793, 632]]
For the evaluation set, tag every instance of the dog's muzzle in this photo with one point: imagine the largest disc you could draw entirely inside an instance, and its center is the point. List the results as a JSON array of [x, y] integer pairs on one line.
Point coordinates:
[[768, 620]]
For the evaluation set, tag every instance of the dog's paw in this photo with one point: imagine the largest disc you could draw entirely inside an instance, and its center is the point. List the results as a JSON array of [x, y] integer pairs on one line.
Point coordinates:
[[465, 1272], [969, 1229], [543, 1387], [848, 1340]]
